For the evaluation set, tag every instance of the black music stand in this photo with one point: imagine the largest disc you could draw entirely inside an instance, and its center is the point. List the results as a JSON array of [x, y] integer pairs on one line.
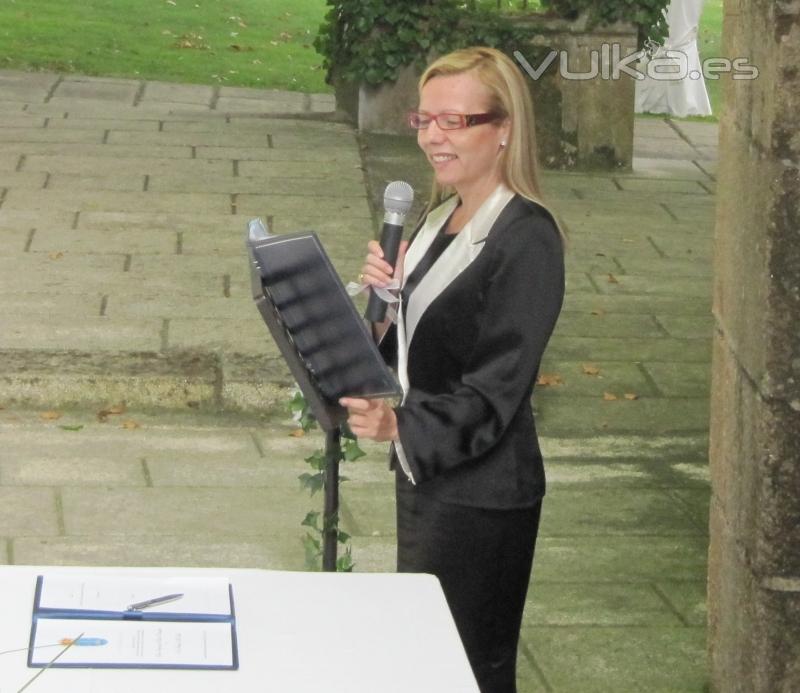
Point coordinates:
[[322, 338]]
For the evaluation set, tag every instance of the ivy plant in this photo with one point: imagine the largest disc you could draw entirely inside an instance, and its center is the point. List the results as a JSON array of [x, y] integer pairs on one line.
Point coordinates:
[[370, 41], [318, 523]]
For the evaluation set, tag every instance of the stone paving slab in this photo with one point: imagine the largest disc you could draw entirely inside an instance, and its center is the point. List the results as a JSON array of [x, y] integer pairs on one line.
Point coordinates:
[[627, 660], [122, 208], [622, 604], [575, 414], [108, 166], [90, 333], [624, 303], [28, 511], [628, 349]]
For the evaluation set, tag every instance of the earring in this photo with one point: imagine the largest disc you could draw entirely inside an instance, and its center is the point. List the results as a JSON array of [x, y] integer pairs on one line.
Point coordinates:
[[502, 144]]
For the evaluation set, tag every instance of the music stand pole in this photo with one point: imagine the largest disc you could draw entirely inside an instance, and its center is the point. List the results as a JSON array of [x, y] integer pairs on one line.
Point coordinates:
[[329, 535]]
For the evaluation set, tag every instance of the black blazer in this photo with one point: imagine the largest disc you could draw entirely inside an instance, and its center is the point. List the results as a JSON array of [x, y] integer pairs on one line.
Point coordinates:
[[466, 425]]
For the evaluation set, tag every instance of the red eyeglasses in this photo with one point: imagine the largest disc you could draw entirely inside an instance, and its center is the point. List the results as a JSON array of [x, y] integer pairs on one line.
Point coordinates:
[[449, 121]]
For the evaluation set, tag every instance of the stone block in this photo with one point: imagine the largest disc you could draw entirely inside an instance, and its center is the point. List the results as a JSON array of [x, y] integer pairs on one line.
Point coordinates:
[[77, 470], [104, 124], [302, 169], [624, 660], [619, 558], [688, 327], [628, 349], [689, 266], [91, 333], [573, 415], [116, 201], [315, 187], [109, 166], [681, 379], [44, 306], [342, 154], [116, 182], [659, 168], [643, 284], [45, 135], [383, 108], [622, 304], [177, 93], [37, 377], [612, 376], [274, 553], [246, 336], [348, 206], [652, 512], [28, 511], [13, 241], [190, 511], [174, 220], [108, 241], [91, 151], [571, 324], [596, 604]]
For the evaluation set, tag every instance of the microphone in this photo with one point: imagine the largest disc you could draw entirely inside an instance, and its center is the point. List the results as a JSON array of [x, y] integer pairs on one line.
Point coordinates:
[[397, 200]]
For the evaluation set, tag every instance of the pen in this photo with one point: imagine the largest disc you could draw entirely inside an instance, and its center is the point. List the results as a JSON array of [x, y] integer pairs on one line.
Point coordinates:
[[155, 601]]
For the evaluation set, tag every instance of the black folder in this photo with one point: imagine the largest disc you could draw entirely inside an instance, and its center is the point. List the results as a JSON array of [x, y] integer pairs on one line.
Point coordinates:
[[312, 319]]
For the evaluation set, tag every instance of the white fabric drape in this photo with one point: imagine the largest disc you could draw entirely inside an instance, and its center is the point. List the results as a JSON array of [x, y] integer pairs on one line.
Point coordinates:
[[682, 92]]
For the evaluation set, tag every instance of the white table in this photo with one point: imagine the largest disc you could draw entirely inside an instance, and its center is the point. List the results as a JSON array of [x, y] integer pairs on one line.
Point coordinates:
[[297, 632]]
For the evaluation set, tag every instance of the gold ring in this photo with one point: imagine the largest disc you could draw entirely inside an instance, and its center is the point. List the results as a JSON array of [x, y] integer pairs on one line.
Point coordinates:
[[361, 278]]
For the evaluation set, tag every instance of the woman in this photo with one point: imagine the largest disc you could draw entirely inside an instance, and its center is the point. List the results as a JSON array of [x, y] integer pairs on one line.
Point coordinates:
[[483, 286]]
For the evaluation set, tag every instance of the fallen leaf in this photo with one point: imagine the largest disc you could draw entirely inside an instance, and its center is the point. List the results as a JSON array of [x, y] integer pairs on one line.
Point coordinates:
[[609, 396], [78, 427], [103, 414], [55, 255], [589, 369], [548, 379], [612, 279], [130, 424], [631, 395], [297, 433], [50, 415]]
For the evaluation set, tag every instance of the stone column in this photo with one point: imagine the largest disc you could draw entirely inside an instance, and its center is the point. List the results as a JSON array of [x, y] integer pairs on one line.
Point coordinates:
[[754, 557]]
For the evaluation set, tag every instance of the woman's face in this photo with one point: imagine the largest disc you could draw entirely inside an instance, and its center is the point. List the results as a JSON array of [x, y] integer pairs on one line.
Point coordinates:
[[467, 158]]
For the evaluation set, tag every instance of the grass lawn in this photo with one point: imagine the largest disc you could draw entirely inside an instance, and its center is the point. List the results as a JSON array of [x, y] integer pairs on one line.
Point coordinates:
[[252, 43], [255, 43], [709, 41]]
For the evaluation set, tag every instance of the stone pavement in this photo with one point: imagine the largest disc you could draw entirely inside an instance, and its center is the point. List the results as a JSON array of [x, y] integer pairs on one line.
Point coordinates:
[[123, 279]]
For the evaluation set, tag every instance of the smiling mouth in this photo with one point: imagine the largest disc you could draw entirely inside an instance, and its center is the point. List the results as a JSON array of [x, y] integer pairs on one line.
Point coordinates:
[[442, 158]]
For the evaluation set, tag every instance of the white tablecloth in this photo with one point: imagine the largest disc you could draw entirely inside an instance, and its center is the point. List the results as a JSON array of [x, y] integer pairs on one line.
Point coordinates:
[[297, 632]]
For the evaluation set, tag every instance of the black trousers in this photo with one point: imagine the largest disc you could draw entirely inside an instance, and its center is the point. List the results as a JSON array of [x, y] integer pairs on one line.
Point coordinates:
[[483, 559]]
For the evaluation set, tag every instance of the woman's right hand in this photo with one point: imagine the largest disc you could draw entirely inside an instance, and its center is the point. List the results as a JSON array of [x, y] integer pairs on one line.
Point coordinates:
[[376, 271]]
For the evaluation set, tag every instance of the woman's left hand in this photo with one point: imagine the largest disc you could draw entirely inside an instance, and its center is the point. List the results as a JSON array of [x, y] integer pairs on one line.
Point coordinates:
[[371, 418]]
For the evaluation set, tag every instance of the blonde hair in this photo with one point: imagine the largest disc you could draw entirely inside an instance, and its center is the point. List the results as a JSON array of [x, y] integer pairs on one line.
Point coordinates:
[[509, 98]]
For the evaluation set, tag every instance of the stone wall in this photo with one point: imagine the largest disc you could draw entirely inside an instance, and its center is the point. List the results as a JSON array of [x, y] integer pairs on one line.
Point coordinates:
[[754, 557], [582, 123], [579, 123]]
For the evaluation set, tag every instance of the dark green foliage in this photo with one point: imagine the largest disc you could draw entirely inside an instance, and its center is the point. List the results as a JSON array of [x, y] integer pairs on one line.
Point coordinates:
[[348, 451], [371, 40], [645, 14]]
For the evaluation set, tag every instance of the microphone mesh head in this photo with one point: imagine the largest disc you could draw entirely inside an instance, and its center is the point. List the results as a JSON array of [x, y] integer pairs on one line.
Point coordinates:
[[398, 197]]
